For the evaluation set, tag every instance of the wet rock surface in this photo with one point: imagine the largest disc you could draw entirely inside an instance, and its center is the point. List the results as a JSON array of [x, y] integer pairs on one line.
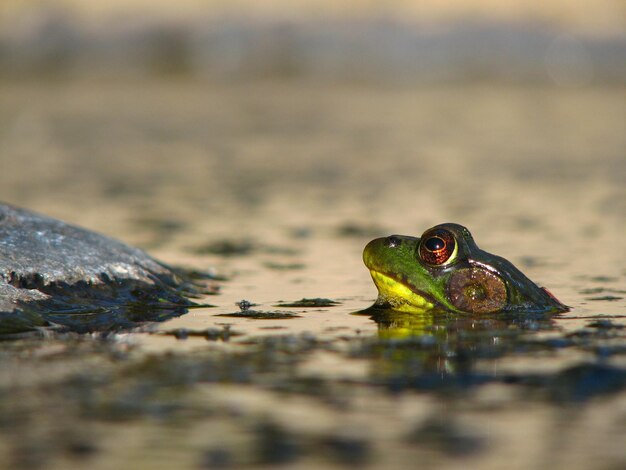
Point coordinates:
[[52, 273]]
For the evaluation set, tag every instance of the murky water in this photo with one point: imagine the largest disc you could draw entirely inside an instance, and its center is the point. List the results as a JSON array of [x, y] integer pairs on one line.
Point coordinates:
[[278, 187]]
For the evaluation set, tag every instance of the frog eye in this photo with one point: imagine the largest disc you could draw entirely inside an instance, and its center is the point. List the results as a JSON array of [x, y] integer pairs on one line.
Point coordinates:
[[477, 290], [437, 247]]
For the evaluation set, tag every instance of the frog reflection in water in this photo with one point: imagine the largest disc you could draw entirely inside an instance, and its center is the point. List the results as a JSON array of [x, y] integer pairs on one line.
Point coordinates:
[[437, 351], [444, 271]]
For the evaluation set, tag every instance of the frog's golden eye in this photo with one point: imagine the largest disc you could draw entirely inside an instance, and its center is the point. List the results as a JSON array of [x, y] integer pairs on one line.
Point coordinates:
[[477, 290], [437, 247]]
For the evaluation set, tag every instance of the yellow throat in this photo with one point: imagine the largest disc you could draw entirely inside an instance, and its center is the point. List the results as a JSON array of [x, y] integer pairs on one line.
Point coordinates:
[[399, 296]]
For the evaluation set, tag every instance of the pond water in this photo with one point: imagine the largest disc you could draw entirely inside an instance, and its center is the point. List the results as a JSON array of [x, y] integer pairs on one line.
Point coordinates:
[[277, 187]]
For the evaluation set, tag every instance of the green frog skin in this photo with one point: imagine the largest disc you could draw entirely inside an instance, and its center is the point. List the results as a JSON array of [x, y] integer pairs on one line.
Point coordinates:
[[445, 271]]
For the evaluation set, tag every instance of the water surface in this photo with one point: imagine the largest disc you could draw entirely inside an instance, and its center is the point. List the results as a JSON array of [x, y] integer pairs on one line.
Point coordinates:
[[278, 187]]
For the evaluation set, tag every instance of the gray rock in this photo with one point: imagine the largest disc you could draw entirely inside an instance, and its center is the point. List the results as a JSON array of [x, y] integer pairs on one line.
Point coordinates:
[[55, 273]]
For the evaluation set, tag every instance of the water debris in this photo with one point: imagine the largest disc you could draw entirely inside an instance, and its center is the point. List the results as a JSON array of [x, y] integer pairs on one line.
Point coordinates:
[[227, 248], [607, 298], [356, 230], [309, 303], [210, 334], [347, 450], [582, 382], [260, 314], [605, 324], [245, 305], [200, 274], [275, 444], [603, 279], [530, 261], [599, 290], [217, 458], [159, 230], [231, 248], [301, 232], [447, 436], [246, 311], [284, 266], [160, 225]]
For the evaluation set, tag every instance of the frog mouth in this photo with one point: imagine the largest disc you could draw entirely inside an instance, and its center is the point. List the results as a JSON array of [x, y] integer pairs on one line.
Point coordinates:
[[399, 296]]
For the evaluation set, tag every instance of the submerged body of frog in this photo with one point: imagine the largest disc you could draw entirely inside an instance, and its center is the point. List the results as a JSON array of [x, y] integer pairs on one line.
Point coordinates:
[[444, 270]]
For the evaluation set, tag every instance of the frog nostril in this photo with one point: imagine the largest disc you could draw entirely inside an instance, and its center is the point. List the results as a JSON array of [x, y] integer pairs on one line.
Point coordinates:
[[392, 241]]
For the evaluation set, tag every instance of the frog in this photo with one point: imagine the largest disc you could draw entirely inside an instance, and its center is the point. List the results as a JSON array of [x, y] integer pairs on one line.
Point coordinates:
[[445, 271]]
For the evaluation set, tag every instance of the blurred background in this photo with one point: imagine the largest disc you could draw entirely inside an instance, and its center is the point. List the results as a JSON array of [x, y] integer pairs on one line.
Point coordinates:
[[206, 100], [561, 42]]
